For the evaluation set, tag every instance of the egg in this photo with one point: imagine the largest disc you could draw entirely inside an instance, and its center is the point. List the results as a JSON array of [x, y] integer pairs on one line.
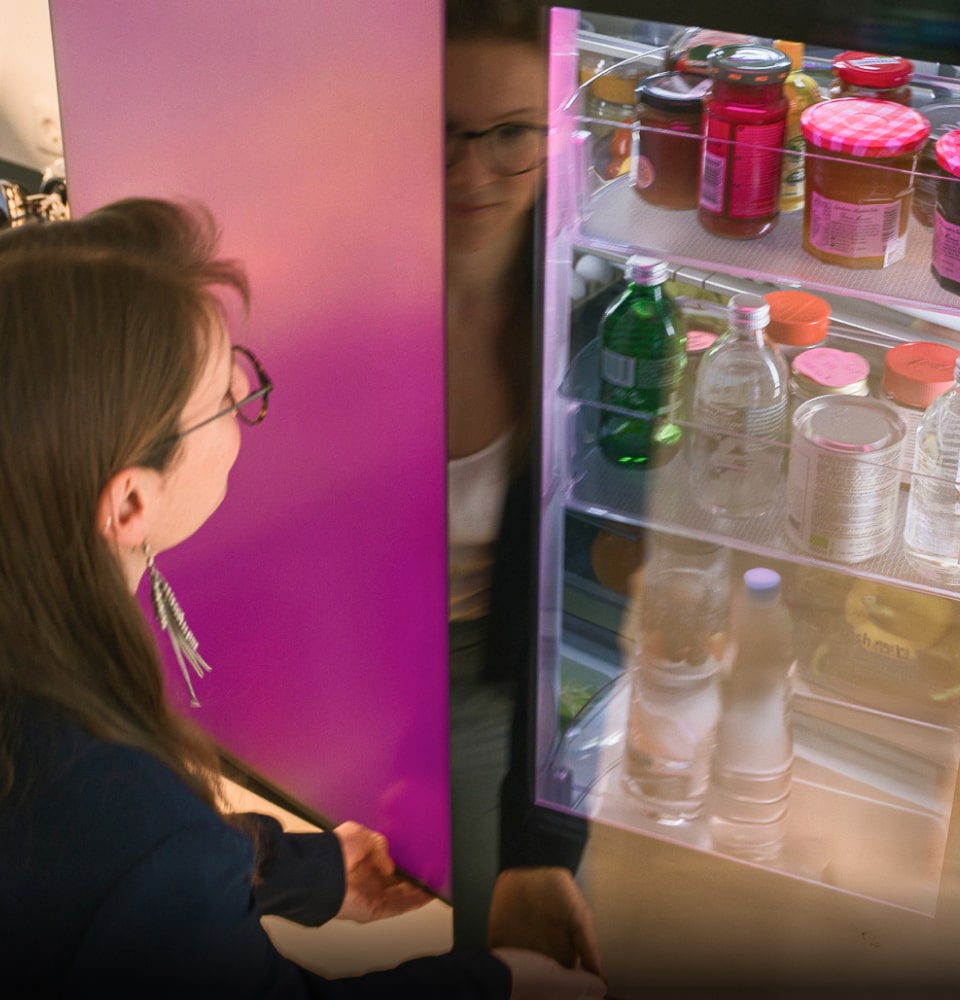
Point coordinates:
[[592, 268]]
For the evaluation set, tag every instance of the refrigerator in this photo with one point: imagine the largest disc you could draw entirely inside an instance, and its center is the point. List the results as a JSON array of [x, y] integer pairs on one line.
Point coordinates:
[[317, 591], [865, 889]]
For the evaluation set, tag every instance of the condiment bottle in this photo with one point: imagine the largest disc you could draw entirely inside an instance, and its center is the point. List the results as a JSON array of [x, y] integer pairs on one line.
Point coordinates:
[[943, 118], [744, 128], [666, 167], [798, 320], [801, 92], [914, 375], [864, 74], [856, 211], [946, 224]]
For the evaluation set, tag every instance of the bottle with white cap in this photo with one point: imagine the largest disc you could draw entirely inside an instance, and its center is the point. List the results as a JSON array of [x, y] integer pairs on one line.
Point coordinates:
[[739, 416], [753, 760]]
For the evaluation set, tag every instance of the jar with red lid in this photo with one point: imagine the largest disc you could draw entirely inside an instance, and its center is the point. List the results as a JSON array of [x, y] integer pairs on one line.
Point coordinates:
[[666, 168], [944, 117], [946, 222], [744, 127], [798, 320], [913, 376], [861, 158], [865, 74]]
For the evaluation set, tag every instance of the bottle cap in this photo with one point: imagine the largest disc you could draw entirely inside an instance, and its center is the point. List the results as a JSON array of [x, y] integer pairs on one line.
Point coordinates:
[[915, 374], [794, 51], [748, 64], [866, 69], [797, 319], [751, 311], [762, 586], [859, 126], [948, 152], [645, 270], [832, 369]]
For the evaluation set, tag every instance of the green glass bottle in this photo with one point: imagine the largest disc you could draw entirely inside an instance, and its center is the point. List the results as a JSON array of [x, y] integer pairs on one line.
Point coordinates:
[[642, 359]]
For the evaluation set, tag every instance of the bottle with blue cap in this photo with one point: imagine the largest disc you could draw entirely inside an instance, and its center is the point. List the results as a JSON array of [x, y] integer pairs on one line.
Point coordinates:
[[753, 760]]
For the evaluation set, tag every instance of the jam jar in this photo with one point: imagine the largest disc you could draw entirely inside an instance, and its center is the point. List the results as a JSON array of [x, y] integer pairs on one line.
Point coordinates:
[[666, 168], [861, 155], [864, 74]]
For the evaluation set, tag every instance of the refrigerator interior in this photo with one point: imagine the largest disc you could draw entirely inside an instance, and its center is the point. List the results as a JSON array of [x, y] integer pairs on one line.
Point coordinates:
[[875, 733]]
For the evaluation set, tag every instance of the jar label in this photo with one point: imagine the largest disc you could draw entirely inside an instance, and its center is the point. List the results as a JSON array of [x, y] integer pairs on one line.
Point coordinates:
[[946, 247], [741, 169], [850, 230]]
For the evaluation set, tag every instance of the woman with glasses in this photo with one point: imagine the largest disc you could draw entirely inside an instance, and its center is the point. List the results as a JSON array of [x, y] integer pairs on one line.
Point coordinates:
[[496, 118], [121, 407]]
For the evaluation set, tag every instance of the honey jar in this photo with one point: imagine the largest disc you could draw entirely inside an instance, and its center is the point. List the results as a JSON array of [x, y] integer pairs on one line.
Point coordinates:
[[861, 155]]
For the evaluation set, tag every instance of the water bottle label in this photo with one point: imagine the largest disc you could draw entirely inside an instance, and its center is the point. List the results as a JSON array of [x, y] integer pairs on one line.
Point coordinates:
[[618, 369]]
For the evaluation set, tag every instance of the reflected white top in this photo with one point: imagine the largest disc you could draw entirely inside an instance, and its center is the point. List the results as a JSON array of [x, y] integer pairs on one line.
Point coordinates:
[[476, 489]]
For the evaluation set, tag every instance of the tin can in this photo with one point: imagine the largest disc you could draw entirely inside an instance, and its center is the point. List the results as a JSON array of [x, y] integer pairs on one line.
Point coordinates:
[[843, 480]]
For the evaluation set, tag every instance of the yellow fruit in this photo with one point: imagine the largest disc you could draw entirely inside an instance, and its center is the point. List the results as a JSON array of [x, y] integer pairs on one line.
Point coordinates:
[[896, 622]]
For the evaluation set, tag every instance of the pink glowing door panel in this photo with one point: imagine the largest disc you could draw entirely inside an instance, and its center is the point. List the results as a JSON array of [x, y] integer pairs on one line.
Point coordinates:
[[318, 590]]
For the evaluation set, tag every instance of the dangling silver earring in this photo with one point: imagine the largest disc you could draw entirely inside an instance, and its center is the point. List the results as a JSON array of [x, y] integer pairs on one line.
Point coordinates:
[[170, 618]]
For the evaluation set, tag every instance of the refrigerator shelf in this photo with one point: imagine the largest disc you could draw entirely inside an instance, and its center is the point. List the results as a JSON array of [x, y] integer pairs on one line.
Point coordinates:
[[662, 499], [616, 221], [868, 813]]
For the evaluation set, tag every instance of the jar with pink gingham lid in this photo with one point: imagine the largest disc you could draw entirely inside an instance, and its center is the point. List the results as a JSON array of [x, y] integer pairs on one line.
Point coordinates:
[[946, 220], [861, 157]]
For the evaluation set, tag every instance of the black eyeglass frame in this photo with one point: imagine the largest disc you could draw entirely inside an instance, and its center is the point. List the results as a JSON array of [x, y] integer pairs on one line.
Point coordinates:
[[262, 392], [465, 136]]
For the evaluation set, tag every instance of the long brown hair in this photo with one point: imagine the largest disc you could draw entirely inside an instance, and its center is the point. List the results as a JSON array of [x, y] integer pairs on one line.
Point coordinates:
[[521, 21], [105, 326]]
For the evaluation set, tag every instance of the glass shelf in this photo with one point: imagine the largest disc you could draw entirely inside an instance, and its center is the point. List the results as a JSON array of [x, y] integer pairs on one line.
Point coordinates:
[[619, 222]]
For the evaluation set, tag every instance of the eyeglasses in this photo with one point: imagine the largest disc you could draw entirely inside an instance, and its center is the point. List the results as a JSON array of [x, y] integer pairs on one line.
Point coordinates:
[[508, 149], [253, 407]]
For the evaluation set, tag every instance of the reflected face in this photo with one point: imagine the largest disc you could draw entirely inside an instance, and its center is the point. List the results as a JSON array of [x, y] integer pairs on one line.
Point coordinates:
[[196, 483], [490, 83]]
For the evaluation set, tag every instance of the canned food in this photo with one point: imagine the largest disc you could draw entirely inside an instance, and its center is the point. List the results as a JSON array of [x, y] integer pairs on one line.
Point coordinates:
[[843, 480]]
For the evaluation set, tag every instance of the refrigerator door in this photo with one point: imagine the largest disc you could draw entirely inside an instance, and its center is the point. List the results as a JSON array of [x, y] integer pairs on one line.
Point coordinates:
[[318, 591], [862, 885]]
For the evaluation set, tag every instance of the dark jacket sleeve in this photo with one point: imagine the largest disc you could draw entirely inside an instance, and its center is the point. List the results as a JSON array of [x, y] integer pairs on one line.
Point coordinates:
[[184, 923], [529, 834], [300, 875]]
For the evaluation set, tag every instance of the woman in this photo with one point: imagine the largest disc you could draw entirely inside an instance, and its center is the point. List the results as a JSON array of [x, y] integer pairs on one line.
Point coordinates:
[[120, 401], [496, 116]]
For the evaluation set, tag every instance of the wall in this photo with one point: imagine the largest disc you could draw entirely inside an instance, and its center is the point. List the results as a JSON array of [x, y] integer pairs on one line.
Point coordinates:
[[318, 590]]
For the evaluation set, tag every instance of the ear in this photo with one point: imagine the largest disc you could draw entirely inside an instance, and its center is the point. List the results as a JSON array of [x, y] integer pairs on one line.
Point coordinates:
[[122, 509]]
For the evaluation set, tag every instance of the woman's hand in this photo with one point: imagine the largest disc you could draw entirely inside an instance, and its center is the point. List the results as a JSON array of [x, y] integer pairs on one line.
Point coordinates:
[[535, 976], [374, 890], [543, 909]]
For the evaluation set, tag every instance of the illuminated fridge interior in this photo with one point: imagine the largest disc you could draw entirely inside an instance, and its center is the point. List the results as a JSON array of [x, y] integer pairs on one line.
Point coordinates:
[[875, 710]]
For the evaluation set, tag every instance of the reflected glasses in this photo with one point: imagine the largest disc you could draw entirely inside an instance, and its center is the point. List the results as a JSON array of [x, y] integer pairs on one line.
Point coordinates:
[[508, 149], [253, 407]]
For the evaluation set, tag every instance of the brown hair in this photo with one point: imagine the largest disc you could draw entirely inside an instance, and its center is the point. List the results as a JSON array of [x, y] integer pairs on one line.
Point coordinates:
[[105, 326], [503, 20]]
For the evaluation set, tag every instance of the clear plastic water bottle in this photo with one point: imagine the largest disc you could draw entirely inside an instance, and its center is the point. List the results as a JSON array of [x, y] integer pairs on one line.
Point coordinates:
[[642, 359], [931, 536], [753, 761], [739, 416], [676, 641]]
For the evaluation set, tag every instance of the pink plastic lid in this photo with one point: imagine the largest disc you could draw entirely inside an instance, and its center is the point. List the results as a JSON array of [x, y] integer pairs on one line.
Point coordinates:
[[862, 127], [948, 152], [699, 340], [832, 368], [916, 374]]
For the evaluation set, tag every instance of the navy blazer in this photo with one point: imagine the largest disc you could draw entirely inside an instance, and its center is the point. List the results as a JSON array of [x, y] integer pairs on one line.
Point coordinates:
[[116, 879]]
